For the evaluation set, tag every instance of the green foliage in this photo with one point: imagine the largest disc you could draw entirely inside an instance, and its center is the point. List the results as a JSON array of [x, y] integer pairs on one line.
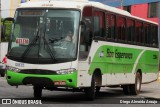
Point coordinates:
[[2, 20], [8, 30], [8, 26]]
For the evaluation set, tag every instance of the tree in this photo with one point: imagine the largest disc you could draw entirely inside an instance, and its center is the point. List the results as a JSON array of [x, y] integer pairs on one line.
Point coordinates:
[[8, 26]]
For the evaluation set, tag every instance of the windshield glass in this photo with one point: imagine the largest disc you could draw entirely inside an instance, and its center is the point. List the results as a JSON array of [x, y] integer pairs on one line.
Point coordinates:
[[44, 36]]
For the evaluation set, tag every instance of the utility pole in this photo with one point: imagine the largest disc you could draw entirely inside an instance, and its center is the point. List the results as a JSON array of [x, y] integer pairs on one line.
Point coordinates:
[[0, 21], [159, 17], [159, 33], [121, 4], [159, 23], [0, 30]]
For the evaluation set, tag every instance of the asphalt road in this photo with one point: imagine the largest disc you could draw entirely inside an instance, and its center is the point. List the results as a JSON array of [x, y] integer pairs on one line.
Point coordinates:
[[150, 91]]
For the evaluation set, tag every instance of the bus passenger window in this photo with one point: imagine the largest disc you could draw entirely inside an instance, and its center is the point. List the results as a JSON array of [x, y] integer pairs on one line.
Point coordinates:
[[99, 24], [139, 33], [156, 35], [110, 26], [154, 38], [121, 28], [146, 34], [130, 30]]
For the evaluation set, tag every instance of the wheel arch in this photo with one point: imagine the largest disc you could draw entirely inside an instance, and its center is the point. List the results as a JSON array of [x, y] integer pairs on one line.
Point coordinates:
[[140, 71], [98, 76]]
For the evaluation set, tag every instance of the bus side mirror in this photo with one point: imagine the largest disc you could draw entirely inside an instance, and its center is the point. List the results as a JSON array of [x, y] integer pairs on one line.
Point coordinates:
[[88, 35], [83, 26], [85, 31], [3, 27]]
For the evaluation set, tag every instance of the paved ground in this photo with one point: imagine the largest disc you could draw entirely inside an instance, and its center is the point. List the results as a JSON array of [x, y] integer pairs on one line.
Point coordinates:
[[107, 95], [159, 78]]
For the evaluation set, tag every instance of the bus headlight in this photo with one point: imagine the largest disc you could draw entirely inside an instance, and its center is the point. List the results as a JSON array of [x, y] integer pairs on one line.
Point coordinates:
[[66, 71], [13, 69]]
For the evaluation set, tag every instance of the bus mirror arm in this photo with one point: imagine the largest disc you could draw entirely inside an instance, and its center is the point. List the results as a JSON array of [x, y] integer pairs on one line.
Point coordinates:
[[83, 24], [86, 32]]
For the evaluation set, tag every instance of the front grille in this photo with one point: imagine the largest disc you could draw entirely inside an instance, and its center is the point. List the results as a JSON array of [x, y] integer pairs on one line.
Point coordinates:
[[38, 81], [38, 71]]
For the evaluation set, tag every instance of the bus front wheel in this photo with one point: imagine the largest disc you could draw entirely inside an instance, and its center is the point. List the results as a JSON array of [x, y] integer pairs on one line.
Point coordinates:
[[98, 89], [37, 91], [90, 91]]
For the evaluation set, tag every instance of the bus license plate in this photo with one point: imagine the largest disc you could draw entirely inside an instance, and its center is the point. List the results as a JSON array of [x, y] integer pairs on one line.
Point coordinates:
[[60, 83]]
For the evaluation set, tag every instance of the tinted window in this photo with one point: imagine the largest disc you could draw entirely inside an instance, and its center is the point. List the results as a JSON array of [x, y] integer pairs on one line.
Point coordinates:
[[121, 28], [154, 38], [110, 26], [99, 24], [130, 30], [139, 35], [153, 10]]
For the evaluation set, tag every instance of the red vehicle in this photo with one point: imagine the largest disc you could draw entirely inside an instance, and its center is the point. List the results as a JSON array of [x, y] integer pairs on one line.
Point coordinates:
[[3, 66]]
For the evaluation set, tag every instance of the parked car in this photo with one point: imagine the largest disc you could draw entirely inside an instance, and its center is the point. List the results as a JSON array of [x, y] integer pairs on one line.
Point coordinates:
[[3, 66], [2, 69], [3, 51]]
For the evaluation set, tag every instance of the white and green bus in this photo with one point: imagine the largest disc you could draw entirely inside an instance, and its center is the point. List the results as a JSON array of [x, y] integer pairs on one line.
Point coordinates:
[[105, 46]]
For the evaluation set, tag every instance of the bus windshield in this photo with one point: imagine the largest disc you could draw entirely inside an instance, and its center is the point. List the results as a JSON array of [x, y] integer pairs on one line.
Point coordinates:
[[45, 36]]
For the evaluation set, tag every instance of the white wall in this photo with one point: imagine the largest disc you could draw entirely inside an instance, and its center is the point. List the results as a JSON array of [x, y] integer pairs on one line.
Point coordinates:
[[3, 50], [5, 8]]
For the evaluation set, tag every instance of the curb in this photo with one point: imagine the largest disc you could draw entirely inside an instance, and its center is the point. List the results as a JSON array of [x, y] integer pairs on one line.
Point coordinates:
[[158, 99], [158, 78]]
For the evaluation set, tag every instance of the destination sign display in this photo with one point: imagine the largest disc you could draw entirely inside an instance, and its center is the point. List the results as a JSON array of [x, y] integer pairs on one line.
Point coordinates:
[[22, 41], [31, 13]]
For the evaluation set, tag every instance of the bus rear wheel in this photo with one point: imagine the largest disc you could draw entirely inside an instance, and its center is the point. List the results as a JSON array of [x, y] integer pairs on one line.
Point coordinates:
[[126, 89], [136, 88], [37, 91]]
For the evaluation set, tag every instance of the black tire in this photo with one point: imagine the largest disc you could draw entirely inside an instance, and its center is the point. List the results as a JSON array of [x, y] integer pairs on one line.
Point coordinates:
[[90, 92], [2, 75], [37, 91], [98, 89], [136, 88], [126, 89]]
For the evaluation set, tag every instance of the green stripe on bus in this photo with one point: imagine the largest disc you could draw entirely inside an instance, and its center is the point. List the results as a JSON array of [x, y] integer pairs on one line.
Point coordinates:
[[114, 59]]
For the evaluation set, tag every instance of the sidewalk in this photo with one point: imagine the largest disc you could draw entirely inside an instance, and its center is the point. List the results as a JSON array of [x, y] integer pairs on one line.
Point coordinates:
[[151, 90], [159, 78]]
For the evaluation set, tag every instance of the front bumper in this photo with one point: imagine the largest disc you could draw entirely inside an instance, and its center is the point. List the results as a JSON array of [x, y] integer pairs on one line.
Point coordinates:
[[14, 78], [2, 71]]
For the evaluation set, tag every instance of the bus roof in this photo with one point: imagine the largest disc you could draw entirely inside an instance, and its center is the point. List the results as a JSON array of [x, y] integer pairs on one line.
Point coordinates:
[[78, 5]]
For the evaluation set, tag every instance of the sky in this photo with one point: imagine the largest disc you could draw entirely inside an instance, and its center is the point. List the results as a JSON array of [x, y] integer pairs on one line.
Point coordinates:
[[5, 4]]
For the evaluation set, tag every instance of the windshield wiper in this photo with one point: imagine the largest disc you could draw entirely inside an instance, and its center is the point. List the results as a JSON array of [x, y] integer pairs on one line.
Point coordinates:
[[33, 42], [49, 48], [52, 40]]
